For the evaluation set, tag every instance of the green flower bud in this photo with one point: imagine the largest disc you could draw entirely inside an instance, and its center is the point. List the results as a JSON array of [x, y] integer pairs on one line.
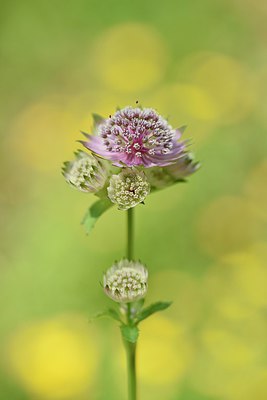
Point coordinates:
[[160, 178], [183, 167], [86, 173], [126, 281], [128, 188]]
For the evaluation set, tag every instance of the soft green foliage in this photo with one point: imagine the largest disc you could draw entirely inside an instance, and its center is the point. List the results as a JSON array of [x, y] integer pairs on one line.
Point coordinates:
[[94, 212], [152, 309], [111, 313]]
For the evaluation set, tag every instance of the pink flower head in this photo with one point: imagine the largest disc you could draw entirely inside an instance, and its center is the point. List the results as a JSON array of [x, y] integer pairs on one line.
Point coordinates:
[[136, 137]]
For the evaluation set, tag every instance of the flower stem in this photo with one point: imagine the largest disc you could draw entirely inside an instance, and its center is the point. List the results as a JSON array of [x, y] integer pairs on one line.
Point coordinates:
[[131, 369], [130, 233], [130, 347], [131, 356]]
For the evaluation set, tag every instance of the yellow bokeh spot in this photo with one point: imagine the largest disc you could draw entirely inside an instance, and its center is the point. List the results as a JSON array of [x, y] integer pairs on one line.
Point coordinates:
[[257, 388], [130, 57], [227, 224], [44, 134], [164, 352], [183, 289], [54, 359], [212, 378], [188, 100], [250, 274], [229, 84], [256, 189], [227, 349], [234, 308], [186, 104]]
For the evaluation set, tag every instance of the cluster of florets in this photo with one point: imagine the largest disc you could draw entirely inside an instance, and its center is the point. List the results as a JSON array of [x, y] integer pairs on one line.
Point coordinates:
[[126, 281], [87, 173], [128, 188], [132, 152]]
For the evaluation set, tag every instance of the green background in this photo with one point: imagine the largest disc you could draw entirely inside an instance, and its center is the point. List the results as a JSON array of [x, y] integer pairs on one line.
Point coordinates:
[[199, 63]]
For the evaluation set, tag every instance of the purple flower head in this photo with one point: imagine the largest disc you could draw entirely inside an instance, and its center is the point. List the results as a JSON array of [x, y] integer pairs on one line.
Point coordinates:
[[136, 137]]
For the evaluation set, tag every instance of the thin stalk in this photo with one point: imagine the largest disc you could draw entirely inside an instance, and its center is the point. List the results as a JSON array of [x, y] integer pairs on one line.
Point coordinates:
[[130, 233], [130, 347], [131, 369]]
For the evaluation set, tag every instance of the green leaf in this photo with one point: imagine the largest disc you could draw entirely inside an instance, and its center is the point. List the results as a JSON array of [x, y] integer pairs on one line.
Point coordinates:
[[129, 333], [111, 313], [153, 308], [94, 212]]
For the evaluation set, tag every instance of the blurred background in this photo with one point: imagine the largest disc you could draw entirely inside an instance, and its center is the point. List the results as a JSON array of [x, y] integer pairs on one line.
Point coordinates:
[[202, 64]]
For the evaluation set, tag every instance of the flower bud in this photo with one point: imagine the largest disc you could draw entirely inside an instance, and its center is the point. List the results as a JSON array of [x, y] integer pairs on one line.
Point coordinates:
[[160, 178], [86, 173], [183, 167], [126, 281], [128, 188]]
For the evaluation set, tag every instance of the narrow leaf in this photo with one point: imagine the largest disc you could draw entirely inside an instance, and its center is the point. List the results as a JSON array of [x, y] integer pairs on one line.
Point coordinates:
[[129, 333], [111, 312], [94, 212], [153, 308]]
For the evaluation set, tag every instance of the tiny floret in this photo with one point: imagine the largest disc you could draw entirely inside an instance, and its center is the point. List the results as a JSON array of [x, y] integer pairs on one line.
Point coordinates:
[[86, 173], [136, 137], [128, 188], [126, 281]]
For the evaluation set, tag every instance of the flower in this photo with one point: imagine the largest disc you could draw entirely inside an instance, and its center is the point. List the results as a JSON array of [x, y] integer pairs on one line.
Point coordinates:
[[136, 137], [86, 173], [126, 281], [128, 188], [160, 178]]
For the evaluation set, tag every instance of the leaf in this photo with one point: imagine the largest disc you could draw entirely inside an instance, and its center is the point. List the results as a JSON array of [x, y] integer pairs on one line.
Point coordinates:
[[111, 312], [153, 308], [130, 333], [94, 212]]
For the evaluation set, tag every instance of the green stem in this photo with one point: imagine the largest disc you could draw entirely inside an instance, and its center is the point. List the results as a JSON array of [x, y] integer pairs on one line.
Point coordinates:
[[131, 369], [131, 360], [130, 347], [130, 233]]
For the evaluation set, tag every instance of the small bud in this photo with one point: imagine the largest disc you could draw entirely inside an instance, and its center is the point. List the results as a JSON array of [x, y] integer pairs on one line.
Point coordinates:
[[183, 167], [160, 178], [128, 188], [86, 173], [126, 281]]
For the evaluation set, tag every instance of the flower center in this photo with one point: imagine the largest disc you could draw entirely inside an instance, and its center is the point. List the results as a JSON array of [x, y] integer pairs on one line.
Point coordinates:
[[137, 132]]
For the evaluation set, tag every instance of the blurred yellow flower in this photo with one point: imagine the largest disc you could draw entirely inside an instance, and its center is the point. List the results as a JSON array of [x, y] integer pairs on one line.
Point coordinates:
[[165, 352], [223, 226], [130, 57], [54, 359]]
